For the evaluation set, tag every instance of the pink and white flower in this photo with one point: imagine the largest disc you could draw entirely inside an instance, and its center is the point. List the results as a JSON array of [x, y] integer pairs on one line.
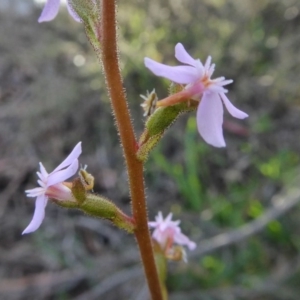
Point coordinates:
[[51, 9], [52, 186], [210, 92], [167, 233]]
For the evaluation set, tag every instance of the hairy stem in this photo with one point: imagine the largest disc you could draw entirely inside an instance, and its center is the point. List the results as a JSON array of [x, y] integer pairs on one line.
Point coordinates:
[[128, 141]]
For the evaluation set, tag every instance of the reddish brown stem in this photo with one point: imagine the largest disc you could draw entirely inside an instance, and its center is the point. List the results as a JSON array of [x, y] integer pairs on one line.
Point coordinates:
[[128, 141]]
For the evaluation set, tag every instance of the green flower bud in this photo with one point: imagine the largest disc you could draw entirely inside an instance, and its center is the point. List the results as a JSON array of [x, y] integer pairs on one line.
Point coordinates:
[[88, 11]]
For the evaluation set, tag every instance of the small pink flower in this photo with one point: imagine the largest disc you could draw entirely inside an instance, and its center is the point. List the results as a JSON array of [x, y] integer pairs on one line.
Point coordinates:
[[51, 9], [211, 92], [167, 232], [51, 186]]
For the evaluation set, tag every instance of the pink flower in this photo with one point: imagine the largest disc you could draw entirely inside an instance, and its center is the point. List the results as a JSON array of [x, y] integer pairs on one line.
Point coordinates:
[[167, 232], [51, 186], [211, 92], [51, 9]]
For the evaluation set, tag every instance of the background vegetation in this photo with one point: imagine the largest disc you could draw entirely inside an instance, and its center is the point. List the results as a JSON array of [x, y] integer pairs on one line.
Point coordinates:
[[236, 203]]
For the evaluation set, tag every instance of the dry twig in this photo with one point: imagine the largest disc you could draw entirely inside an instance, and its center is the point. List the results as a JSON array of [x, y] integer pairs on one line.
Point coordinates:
[[281, 204]]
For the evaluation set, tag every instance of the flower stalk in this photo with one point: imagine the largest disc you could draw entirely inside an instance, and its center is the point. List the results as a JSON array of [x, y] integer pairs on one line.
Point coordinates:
[[134, 166]]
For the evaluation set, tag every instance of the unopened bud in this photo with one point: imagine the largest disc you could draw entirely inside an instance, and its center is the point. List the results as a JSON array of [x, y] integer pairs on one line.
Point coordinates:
[[88, 11], [81, 185], [87, 179]]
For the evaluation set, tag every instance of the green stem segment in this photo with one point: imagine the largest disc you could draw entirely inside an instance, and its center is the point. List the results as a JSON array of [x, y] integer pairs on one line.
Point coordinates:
[[128, 141]]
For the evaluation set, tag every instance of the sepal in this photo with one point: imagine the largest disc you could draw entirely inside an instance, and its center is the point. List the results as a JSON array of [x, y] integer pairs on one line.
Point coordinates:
[[161, 266], [157, 124], [176, 253], [65, 204], [78, 190], [101, 207], [93, 204]]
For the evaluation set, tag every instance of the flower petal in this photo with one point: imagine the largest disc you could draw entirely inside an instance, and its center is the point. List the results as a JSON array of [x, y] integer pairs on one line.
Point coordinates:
[[221, 81], [169, 218], [160, 237], [152, 224], [178, 74], [73, 13], [210, 119], [182, 55], [192, 245], [182, 239], [60, 176], [211, 70], [159, 218], [232, 109], [59, 192], [207, 64], [50, 11], [72, 156], [43, 184], [43, 174], [38, 216], [35, 192]]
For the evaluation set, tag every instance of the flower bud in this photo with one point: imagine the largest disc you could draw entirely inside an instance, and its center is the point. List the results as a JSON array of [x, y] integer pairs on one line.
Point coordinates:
[[81, 185], [88, 11]]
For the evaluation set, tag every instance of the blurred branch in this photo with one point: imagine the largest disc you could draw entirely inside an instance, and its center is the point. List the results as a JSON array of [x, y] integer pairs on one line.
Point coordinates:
[[281, 204], [272, 287], [111, 282], [51, 283], [40, 284], [241, 293]]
